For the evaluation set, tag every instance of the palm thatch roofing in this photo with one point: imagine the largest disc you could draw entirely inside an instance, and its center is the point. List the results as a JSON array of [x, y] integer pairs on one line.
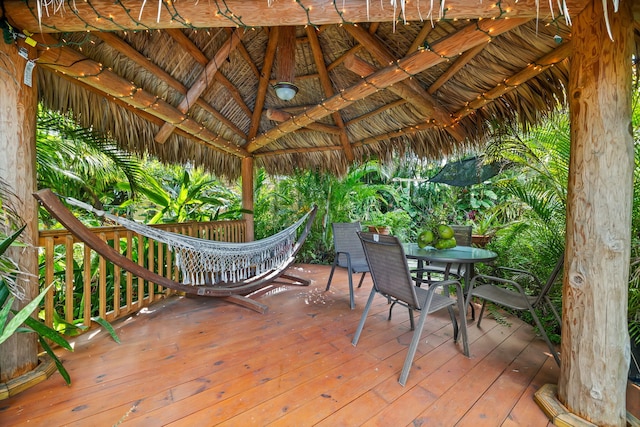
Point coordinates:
[[193, 81]]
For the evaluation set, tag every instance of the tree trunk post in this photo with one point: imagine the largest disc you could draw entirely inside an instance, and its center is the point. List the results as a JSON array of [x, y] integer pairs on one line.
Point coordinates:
[[595, 339], [18, 106], [247, 195]]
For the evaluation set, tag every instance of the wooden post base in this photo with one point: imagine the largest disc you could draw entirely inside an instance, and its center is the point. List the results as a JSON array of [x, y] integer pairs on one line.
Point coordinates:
[[46, 367], [559, 415]]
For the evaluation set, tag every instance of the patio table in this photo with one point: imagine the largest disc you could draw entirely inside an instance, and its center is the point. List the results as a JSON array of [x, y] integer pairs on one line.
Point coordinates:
[[464, 255]]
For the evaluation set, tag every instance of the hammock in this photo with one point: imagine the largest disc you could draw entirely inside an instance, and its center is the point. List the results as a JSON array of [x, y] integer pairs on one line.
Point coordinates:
[[211, 268], [207, 262]]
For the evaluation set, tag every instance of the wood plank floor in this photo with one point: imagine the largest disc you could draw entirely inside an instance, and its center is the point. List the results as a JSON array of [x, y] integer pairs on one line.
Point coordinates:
[[199, 362]]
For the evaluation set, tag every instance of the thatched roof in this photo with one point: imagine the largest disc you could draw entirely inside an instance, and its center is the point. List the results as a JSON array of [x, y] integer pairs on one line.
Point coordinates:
[[372, 89]]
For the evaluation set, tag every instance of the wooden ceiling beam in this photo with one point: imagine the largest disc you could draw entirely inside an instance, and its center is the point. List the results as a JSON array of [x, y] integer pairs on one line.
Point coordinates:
[[532, 70], [468, 37], [298, 151], [109, 15], [263, 83], [201, 83], [122, 46], [409, 89], [375, 112], [328, 89], [140, 113], [418, 42], [74, 64], [364, 69], [242, 49], [509, 84], [457, 65], [281, 116], [197, 54]]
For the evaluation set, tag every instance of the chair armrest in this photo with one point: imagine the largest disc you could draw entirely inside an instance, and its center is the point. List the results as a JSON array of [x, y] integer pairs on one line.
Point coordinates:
[[444, 284], [496, 281], [520, 271]]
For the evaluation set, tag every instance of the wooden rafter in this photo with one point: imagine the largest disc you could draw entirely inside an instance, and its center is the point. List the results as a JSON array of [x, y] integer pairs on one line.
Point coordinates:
[[141, 113], [263, 83], [123, 47], [197, 54], [281, 116], [457, 65], [295, 151], [470, 36], [328, 89], [199, 86], [74, 64], [364, 69], [419, 40], [511, 83], [377, 111], [245, 54], [108, 15], [408, 89]]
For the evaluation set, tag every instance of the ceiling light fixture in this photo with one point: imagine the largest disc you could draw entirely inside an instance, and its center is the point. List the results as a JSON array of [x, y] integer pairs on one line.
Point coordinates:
[[285, 90]]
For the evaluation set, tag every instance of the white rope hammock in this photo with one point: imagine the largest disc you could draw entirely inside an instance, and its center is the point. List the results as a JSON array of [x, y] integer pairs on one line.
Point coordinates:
[[210, 262]]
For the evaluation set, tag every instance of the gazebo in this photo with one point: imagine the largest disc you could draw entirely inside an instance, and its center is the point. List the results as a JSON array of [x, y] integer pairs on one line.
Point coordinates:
[[320, 84]]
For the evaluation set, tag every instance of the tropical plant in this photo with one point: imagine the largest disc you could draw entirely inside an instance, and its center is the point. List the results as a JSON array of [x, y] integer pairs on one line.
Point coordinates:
[[178, 194], [83, 163]]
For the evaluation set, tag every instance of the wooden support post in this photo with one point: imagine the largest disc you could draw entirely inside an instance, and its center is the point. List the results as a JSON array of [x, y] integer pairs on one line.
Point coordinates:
[[18, 105], [247, 195], [595, 339]]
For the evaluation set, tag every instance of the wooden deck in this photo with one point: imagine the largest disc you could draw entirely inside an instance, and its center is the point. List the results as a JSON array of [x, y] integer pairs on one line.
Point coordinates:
[[198, 362]]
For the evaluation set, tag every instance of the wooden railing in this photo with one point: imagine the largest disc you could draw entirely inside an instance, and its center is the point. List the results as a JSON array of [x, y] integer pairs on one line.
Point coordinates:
[[86, 285]]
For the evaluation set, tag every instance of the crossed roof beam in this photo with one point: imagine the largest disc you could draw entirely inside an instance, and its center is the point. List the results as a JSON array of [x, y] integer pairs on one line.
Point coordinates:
[[410, 90], [469, 37]]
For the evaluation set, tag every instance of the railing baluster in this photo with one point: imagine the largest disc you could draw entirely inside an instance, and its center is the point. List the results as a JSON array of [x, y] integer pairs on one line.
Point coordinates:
[[48, 279], [116, 278], [102, 283], [96, 286], [86, 286], [129, 275], [69, 280]]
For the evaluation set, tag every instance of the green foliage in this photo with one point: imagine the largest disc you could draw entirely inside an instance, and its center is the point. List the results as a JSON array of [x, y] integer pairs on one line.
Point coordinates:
[[9, 326], [82, 163], [176, 194]]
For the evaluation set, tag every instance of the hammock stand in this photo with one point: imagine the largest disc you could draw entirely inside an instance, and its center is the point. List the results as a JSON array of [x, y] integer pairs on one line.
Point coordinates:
[[236, 292]]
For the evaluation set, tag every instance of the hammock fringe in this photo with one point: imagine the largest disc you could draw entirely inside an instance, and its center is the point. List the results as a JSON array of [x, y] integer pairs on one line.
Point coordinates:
[[238, 292], [211, 262]]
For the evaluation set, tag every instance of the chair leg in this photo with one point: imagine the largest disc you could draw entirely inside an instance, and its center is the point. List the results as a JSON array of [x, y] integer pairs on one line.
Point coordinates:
[[408, 361], [390, 308], [545, 336], [362, 279], [333, 267], [356, 337], [454, 322], [553, 310], [412, 324], [463, 322], [352, 301], [484, 303]]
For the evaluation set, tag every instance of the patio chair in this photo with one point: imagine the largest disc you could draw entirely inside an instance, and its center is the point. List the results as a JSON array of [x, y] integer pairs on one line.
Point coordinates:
[[349, 254], [510, 294], [391, 279]]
